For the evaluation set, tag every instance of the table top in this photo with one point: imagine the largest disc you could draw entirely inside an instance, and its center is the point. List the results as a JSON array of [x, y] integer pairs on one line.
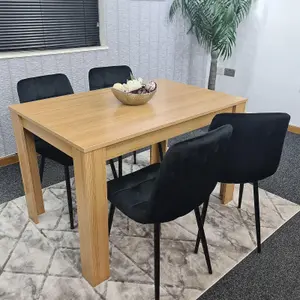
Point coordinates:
[[96, 119]]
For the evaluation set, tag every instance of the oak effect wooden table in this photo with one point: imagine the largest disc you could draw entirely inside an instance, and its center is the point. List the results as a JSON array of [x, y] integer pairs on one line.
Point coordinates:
[[94, 127]]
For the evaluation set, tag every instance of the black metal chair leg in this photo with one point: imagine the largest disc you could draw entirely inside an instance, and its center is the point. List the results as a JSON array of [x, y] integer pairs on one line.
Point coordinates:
[[134, 157], [120, 166], [257, 215], [69, 194], [204, 211], [241, 195], [197, 242], [113, 168], [203, 217], [157, 260], [111, 217], [201, 236], [42, 167]]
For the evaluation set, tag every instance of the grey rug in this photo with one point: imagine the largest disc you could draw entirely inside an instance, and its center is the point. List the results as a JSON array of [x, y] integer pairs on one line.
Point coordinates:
[[42, 261]]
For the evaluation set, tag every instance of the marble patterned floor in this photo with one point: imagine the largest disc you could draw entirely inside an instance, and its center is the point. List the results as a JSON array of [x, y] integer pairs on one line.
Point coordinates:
[[42, 261]]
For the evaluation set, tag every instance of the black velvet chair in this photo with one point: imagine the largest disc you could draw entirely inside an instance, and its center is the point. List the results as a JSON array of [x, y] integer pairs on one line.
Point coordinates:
[[164, 192], [104, 77], [253, 153], [43, 87]]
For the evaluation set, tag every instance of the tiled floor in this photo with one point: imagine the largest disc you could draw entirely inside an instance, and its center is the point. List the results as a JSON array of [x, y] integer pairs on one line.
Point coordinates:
[[43, 262]]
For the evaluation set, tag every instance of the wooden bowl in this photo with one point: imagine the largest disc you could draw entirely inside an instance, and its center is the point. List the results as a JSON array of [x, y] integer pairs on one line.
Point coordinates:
[[133, 99]]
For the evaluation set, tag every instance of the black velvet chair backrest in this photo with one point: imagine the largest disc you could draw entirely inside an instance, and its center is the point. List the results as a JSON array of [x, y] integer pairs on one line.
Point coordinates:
[[105, 77], [255, 147], [44, 87], [188, 175]]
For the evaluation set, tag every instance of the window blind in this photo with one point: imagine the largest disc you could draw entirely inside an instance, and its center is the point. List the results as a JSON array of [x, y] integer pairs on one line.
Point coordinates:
[[48, 24]]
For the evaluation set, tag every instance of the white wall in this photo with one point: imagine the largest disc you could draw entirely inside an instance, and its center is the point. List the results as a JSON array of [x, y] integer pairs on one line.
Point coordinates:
[[267, 60], [137, 34], [276, 80], [244, 56]]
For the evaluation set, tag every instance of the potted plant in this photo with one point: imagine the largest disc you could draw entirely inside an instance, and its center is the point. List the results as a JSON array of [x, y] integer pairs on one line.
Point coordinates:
[[214, 23]]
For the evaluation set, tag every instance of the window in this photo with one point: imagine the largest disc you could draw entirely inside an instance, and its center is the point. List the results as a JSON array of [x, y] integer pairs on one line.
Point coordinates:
[[48, 24]]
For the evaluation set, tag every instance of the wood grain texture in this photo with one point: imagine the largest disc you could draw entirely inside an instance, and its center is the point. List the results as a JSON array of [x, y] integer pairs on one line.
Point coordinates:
[[60, 144], [294, 129], [97, 119], [9, 160], [92, 204], [160, 135], [29, 168], [154, 153], [226, 193], [240, 108]]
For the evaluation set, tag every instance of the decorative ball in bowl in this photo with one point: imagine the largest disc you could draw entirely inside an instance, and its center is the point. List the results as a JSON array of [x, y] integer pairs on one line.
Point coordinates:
[[134, 92]]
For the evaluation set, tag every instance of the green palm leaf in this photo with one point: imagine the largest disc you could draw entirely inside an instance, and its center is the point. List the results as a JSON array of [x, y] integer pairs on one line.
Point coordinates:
[[213, 22]]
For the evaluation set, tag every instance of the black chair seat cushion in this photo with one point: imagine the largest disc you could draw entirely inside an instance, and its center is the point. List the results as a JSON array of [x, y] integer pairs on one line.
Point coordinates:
[[131, 193], [53, 153]]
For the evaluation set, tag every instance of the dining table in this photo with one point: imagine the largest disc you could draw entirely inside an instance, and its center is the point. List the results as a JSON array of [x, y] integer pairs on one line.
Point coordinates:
[[93, 127]]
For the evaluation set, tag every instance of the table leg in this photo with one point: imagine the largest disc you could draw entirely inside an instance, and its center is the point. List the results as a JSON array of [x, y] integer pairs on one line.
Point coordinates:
[[154, 154], [239, 108], [226, 191], [29, 168], [92, 204]]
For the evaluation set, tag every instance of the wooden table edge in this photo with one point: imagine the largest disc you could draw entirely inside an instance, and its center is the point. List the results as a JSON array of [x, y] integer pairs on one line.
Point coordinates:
[[241, 100]]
